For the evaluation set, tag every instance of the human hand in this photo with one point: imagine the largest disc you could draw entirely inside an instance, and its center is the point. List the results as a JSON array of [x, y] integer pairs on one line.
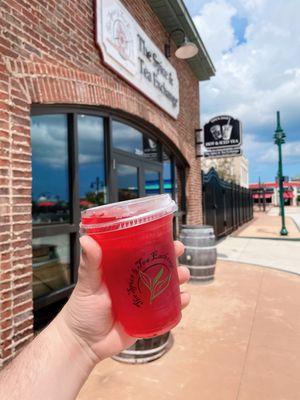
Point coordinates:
[[88, 313]]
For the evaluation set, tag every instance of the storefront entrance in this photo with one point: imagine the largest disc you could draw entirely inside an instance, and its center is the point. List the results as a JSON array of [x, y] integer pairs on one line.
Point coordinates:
[[135, 178], [84, 158]]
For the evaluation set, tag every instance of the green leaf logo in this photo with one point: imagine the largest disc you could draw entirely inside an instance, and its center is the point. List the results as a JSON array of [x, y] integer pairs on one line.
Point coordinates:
[[156, 286]]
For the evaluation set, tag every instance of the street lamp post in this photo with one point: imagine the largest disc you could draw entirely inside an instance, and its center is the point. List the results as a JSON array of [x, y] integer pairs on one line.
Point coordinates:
[[279, 140]]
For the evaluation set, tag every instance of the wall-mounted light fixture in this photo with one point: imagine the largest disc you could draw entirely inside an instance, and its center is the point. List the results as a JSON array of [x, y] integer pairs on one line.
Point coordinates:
[[199, 142], [186, 50]]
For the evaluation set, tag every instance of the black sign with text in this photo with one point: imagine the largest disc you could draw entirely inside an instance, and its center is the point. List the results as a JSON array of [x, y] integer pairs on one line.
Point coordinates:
[[222, 132], [227, 152]]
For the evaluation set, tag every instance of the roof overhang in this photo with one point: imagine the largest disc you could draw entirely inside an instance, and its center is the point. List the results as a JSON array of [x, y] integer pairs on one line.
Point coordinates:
[[173, 14]]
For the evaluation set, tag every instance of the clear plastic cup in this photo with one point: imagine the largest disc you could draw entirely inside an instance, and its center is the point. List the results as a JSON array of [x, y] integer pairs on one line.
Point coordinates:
[[138, 262]]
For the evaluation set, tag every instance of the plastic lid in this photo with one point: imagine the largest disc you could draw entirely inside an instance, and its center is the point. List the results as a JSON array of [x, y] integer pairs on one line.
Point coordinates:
[[126, 214]]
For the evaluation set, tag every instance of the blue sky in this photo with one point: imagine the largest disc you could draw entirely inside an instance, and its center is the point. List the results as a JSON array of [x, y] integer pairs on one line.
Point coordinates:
[[255, 47]]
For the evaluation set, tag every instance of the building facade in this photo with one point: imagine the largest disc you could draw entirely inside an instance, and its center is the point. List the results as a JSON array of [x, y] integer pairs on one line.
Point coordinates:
[[269, 193], [234, 169], [80, 126]]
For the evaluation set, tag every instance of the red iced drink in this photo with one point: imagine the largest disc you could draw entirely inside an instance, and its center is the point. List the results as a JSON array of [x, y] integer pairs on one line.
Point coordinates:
[[138, 264]]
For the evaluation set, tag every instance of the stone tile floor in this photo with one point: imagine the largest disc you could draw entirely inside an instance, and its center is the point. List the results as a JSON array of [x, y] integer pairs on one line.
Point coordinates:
[[238, 340]]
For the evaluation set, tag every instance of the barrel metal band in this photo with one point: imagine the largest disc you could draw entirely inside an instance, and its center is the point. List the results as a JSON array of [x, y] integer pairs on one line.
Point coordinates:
[[150, 351], [201, 266], [196, 237], [139, 360], [202, 278], [200, 248]]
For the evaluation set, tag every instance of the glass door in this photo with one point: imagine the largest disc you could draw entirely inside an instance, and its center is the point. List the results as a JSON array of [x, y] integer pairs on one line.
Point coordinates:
[[135, 178], [127, 182]]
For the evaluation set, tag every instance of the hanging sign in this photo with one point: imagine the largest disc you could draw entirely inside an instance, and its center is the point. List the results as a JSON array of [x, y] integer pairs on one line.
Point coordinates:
[[222, 132], [222, 137], [223, 153], [129, 51]]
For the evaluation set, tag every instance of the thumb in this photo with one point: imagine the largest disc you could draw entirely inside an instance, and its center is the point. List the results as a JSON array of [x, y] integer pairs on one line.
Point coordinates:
[[89, 273]]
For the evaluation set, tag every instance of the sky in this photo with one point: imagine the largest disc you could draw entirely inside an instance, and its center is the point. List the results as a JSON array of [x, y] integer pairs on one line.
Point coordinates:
[[255, 48]]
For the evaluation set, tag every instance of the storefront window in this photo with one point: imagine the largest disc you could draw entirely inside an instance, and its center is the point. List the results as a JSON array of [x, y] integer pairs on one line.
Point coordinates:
[[152, 183], [127, 181], [150, 149], [50, 182], [126, 138], [167, 174], [51, 264], [92, 190]]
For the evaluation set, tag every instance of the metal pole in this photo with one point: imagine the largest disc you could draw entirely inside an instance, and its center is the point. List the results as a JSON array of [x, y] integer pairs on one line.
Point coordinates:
[[259, 194], [279, 136], [264, 198]]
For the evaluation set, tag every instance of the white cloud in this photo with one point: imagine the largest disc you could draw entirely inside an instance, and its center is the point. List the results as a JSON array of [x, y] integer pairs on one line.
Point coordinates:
[[213, 24], [258, 76], [290, 151]]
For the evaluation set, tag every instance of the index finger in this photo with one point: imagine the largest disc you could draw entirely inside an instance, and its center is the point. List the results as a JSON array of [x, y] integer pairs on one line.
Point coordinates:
[[179, 248]]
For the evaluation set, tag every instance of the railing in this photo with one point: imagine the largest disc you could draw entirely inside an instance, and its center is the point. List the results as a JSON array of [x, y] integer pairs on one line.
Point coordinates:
[[226, 206]]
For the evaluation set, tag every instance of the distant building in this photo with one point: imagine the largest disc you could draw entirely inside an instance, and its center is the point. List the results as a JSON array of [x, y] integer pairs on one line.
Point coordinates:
[[270, 192], [234, 169]]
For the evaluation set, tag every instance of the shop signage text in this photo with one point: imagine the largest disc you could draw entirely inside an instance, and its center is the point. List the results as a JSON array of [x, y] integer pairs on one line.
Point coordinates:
[[131, 53], [223, 153], [222, 137]]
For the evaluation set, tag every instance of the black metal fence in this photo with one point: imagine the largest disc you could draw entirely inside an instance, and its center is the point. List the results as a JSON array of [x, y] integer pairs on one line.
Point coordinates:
[[226, 206]]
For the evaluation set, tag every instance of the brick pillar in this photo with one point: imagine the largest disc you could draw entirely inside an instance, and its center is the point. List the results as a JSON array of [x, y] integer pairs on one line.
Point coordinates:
[[15, 219], [194, 193]]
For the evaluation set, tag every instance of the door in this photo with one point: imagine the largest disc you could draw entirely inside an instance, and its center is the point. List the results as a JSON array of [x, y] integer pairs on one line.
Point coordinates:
[[134, 177]]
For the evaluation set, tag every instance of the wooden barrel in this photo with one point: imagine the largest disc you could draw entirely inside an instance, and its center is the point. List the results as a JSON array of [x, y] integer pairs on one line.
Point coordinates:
[[145, 350], [200, 254]]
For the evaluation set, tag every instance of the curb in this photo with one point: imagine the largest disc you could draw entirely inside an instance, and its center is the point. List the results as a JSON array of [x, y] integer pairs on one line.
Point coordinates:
[[266, 238]]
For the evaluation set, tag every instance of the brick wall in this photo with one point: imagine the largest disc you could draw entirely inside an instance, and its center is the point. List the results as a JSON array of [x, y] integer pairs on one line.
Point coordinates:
[[48, 56]]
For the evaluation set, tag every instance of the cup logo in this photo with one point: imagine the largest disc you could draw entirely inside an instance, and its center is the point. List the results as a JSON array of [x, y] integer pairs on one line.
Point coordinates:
[[149, 278], [158, 283]]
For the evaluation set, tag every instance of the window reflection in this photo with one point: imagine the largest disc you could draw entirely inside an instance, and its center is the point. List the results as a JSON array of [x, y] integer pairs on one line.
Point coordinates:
[[167, 174], [91, 161], [126, 138], [50, 183], [127, 181], [51, 264], [150, 148], [152, 183]]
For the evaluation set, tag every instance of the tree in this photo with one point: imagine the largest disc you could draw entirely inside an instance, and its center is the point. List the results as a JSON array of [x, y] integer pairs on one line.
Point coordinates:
[[223, 166]]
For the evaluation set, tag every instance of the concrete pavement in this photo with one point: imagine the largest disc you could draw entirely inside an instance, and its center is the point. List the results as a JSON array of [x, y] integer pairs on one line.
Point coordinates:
[[292, 212], [279, 253], [268, 226], [238, 340]]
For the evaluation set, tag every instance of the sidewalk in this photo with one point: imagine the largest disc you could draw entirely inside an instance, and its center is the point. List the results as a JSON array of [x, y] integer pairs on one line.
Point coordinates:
[[259, 242], [279, 254], [292, 212], [238, 340], [268, 226]]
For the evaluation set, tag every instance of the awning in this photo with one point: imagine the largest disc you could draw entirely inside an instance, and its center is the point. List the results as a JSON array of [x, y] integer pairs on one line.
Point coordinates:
[[288, 195], [46, 204], [257, 196]]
